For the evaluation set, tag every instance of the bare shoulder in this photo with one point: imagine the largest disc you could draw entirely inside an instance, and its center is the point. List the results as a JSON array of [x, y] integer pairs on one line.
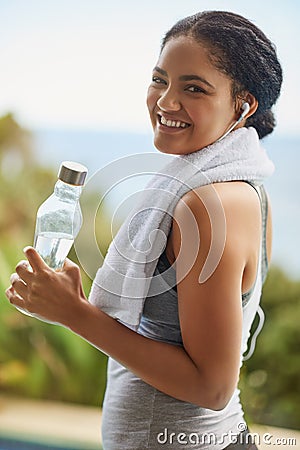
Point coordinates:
[[232, 194], [228, 213], [237, 201]]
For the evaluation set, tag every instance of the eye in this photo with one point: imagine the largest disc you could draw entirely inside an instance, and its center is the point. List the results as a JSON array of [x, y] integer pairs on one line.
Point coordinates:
[[196, 89], [158, 80]]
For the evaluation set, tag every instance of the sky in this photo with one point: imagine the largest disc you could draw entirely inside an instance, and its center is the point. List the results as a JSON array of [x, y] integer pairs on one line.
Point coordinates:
[[87, 64]]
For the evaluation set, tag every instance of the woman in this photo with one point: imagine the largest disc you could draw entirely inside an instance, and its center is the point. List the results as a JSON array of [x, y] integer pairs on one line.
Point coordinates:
[[176, 327]]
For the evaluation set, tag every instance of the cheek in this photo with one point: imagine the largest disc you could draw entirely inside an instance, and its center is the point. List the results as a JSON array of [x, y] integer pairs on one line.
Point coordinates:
[[201, 114], [212, 114], [210, 122], [151, 100]]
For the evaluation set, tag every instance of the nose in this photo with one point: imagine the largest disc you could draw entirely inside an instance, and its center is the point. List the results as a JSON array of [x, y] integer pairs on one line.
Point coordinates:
[[169, 101]]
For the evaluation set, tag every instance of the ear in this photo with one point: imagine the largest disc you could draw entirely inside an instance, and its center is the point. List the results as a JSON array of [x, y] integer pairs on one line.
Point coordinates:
[[253, 102]]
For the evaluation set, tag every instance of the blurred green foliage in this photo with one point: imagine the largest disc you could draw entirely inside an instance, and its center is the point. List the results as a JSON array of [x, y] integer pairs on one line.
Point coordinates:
[[44, 361], [37, 360], [270, 382]]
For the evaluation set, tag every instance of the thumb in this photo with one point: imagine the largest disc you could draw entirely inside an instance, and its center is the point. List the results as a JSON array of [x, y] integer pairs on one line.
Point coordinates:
[[35, 260]]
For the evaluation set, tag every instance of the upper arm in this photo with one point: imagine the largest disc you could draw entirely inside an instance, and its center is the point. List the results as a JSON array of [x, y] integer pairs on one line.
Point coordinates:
[[211, 249]]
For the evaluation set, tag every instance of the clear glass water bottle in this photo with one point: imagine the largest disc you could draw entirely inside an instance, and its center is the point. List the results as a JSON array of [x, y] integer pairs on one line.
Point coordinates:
[[59, 218]]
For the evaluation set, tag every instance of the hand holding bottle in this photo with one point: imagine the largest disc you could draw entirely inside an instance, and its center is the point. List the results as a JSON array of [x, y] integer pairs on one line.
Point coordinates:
[[45, 293], [58, 222]]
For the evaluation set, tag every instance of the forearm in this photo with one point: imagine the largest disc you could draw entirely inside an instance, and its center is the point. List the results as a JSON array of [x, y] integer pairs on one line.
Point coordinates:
[[166, 367]]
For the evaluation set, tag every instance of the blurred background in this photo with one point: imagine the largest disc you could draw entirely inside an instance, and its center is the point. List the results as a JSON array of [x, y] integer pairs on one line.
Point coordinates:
[[73, 82]]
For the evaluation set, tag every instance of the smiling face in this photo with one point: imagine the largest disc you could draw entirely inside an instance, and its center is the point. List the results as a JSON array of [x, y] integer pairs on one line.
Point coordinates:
[[189, 100]]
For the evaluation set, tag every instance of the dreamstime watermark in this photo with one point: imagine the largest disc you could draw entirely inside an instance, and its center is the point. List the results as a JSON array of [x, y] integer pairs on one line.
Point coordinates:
[[167, 437]]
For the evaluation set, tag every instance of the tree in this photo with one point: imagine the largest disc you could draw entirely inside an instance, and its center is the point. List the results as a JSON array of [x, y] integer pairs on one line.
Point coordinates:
[[15, 145]]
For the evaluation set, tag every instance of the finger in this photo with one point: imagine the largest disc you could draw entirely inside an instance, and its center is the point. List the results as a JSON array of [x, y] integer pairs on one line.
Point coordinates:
[[69, 264], [14, 298], [35, 260], [73, 271], [9, 291], [24, 271], [19, 286]]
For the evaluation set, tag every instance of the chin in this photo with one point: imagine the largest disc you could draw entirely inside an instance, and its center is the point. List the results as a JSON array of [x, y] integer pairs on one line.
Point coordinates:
[[175, 146], [169, 147], [175, 150], [170, 151]]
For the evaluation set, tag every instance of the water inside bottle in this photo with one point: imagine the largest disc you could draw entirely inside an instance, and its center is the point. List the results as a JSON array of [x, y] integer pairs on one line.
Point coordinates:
[[53, 247]]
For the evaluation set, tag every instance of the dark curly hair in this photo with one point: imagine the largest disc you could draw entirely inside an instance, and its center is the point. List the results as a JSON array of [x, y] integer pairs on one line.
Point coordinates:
[[241, 51]]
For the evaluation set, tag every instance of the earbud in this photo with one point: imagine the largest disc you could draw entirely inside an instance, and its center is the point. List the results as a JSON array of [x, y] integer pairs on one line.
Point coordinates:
[[245, 109]]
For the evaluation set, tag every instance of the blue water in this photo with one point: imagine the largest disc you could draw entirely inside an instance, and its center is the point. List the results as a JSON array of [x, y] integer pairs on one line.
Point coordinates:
[[97, 149]]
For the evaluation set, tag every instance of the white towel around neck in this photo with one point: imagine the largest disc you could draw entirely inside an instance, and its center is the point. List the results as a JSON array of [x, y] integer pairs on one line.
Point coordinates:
[[121, 284]]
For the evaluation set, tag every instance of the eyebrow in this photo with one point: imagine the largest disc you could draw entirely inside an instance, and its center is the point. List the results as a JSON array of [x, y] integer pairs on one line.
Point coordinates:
[[185, 77]]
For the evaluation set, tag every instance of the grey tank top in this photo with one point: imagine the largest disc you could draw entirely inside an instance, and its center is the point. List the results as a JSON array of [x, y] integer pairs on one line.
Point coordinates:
[[137, 416]]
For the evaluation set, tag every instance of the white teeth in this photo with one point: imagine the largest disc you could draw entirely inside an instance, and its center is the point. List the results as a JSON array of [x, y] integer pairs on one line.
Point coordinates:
[[173, 123]]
